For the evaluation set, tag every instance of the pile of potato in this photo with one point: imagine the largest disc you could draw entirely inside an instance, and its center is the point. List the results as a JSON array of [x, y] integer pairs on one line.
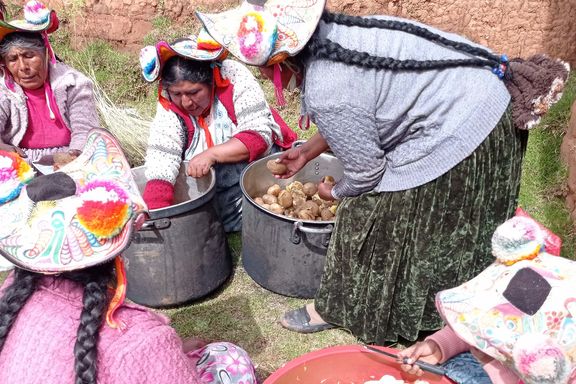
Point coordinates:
[[298, 201]]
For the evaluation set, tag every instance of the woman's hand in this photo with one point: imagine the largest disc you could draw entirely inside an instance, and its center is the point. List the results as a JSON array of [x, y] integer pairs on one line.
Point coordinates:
[[201, 163], [427, 351], [325, 191], [294, 159], [12, 148]]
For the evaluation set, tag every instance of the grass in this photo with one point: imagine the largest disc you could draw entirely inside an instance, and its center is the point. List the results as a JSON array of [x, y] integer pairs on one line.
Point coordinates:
[[544, 176], [243, 312]]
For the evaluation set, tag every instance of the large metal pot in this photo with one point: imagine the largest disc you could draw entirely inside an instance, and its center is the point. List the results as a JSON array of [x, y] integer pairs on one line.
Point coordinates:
[[282, 254], [180, 253]]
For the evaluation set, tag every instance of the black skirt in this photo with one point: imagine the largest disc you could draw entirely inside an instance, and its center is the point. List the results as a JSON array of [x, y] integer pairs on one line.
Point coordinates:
[[391, 252]]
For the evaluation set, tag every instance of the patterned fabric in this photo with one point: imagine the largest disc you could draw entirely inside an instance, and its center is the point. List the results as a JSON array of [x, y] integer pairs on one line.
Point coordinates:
[[466, 369], [521, 314], [68, 233], [390, 253], [247, 31], [224, 363]]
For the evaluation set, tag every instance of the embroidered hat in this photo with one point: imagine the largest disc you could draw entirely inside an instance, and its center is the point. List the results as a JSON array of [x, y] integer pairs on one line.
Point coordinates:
[[201, 48], [37, 18], [78, 217], [265, 32], [521, 310]]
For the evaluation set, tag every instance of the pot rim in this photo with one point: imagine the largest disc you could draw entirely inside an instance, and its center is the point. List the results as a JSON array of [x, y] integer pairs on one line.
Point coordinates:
[[293, 178]]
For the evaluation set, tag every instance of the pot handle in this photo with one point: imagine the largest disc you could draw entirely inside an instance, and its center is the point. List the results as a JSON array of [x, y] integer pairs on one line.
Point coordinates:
[[295, 237], [151, 225]]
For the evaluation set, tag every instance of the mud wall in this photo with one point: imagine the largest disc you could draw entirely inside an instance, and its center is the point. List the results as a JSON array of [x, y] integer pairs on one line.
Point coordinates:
[[515, 27]]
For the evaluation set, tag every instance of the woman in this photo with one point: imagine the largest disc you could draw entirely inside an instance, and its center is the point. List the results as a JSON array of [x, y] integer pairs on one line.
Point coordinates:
[[422, 124], [211, 112], [524, 286], [60, 320], [47, 108]]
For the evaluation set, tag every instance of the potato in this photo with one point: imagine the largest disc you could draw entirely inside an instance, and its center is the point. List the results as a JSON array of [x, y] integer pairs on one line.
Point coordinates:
[[298, 200], [295, 186], [274, 190], [259, 201], [266, 206], [328, 180], [276, 168], [270, 199], [310, 189], [312, 206], [276, 208], [306, 214], [326, 214], [285, 199]]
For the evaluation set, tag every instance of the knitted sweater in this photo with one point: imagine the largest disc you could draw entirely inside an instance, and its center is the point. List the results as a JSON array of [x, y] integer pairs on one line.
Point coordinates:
[[168, 137], [39, 348], [74, 97], [451, 345], [396, 130]]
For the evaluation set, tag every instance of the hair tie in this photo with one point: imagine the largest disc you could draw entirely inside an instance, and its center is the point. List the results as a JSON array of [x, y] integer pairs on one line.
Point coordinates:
[[501, 69]]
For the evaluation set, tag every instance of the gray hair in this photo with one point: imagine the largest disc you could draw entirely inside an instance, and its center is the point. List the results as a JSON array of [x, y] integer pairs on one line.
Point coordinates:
[[23, 40]]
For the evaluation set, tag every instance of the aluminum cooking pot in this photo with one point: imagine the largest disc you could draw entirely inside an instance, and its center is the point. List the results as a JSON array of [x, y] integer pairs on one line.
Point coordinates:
[[283, 254]]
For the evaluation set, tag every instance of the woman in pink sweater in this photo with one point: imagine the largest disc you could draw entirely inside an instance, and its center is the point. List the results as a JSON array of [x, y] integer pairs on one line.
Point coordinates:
[[46, 107], [62, 315], [514, 322]]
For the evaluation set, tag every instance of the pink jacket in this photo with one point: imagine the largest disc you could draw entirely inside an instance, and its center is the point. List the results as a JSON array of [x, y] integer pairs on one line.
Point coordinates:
[[39, 346], [451, 345]]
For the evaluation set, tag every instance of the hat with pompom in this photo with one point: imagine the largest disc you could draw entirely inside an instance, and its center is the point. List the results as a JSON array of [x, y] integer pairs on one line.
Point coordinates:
[[521, 310], [80, 216], [37, 18], [201, 48], [265, 32]]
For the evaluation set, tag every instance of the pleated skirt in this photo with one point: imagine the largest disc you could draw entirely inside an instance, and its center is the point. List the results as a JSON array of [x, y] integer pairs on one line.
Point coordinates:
[[391, 252]]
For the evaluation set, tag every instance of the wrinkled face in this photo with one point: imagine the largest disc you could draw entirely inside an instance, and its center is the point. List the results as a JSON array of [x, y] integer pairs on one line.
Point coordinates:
[[28, 67], [192, 98]]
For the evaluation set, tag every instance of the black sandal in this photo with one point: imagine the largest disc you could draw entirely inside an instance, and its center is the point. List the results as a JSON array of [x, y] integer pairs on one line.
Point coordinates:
[[298, 320]]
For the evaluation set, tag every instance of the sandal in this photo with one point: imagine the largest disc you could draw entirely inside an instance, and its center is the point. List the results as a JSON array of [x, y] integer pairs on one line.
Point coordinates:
[[298, 320]]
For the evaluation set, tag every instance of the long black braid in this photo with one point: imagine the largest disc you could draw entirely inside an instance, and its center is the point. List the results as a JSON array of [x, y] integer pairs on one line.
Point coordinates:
[[324, 48], [95, 301]]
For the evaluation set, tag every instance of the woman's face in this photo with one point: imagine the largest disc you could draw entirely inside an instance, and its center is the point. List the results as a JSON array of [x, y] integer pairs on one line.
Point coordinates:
[[192, 98], [28, 67]]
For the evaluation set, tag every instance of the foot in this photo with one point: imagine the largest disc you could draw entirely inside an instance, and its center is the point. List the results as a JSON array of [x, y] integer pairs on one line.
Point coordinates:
[[305, 320]]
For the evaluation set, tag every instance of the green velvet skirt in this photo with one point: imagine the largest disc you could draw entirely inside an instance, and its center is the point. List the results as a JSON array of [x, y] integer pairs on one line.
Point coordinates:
[[391, 252]]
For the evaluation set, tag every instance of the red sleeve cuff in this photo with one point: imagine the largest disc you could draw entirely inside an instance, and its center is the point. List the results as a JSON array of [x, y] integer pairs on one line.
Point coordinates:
[[255, 144], [158, 194]]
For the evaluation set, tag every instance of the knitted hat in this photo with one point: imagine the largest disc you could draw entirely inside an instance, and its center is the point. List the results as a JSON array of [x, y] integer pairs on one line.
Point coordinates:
[[521, 310], [536, 84], [78, 217], [201, 48], [265, 32], [37, 18]]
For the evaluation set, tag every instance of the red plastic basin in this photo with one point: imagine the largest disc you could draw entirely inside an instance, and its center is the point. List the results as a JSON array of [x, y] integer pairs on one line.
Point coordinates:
[[346, 364]]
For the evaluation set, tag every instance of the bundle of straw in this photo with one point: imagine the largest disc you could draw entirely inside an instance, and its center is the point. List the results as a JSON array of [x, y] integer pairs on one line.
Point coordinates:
[[126, 124]]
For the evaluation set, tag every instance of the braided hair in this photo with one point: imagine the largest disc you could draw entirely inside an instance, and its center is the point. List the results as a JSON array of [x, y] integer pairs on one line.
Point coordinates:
[[327, 49], [95, 301]]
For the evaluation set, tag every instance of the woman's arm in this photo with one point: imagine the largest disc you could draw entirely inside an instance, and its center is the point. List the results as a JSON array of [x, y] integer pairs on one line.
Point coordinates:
[[81, 107], [163, 158], [255, 124], [232, 151]]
